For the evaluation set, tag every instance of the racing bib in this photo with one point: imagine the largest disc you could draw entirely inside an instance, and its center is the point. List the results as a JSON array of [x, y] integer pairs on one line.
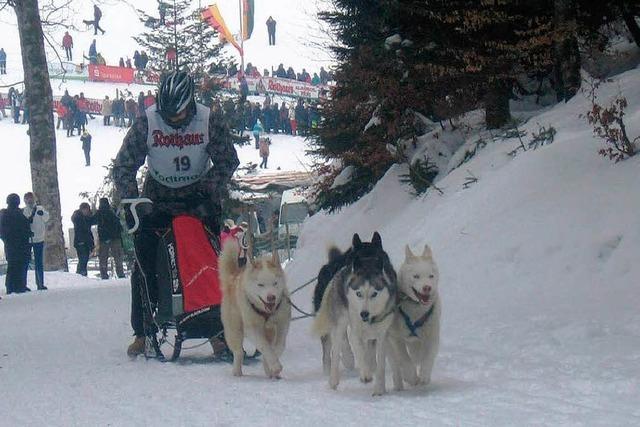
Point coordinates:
[[178, 157]]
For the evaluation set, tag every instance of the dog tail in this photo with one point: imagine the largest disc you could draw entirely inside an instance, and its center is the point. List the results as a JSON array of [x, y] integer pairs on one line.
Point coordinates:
[[334, 254], [228, 267], [322, 321]]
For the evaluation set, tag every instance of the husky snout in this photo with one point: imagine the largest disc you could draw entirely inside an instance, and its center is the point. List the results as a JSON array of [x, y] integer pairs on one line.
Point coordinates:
[[364, 315], [271, 298]]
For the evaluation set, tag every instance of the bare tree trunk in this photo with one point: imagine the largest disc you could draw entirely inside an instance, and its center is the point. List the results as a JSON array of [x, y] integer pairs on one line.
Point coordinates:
[[566, 61], [630, 19], [42, 134], [496, 104]]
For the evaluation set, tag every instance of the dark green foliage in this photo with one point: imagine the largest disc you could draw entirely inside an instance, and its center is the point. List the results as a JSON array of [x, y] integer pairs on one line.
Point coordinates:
[[420, 176]]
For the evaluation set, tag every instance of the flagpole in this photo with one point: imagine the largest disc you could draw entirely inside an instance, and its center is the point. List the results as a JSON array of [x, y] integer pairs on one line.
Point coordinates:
[[241, 39]]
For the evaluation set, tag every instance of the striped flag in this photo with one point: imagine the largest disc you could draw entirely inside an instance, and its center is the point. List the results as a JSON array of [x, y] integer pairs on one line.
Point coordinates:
[[212, 16], [248, 9]]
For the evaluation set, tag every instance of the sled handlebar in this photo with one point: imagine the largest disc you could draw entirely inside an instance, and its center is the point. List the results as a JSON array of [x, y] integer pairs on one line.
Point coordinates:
[[133, 204]]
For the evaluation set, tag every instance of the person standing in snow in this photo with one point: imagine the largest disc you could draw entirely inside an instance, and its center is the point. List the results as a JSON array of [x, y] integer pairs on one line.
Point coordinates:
[[86, 146], [83, 241], [271, 29], [37, 217], [93, 53], [264, 151], [244, 89], [109, 238], [67, 44], [292, 121], [193, 184], [15, 232], [107, 109], [97, 16], [162, 10], [3, 61], [257, 130]]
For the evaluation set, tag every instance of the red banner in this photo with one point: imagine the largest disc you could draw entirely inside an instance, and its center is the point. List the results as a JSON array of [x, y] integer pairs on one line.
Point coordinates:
[[106, 73]]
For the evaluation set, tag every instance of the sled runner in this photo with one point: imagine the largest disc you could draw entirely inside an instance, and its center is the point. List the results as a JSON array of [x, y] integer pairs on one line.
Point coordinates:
[[186, 303]]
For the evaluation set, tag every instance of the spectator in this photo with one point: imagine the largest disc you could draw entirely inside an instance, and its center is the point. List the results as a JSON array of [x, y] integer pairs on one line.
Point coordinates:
[[100, 60], [141, 104], [118, 112], [281, 72], [11, 99], [264, 151], [83, 104], [149, 100], [67, 44], [244, 89], [144, 60], [284, 119], [3, 61], [93, 53], [3, 104], [25, 108], [109, 238], [257, 130], [292, 121], [66, 100], [121, 63], [80, 118], [70, 118], [61, 111], [275, 117], [37, 217], [316, 79], [107, 110], [301, 117], [83, 238], [131, 107], [136, 60], [291, 74], [97, 16], [162, 9], [324, 76], [86, 146], [128, 63], [271, 29], [172, 57], [15, 232]]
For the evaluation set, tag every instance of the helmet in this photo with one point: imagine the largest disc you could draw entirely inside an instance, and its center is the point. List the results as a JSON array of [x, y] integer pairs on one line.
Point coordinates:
[[175, 94]]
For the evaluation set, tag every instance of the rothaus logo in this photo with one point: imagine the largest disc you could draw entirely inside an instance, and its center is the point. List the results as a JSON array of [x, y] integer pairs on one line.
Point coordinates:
[[176, 140], [175, 281]]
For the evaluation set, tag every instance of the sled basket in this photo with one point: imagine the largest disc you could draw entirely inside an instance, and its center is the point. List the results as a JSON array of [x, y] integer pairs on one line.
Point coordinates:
[[187, 268]]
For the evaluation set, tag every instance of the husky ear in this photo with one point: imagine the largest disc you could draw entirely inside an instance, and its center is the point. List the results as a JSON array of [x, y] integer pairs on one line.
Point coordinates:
[[376, 240], [356, 242], [427, 252], [407, 253]]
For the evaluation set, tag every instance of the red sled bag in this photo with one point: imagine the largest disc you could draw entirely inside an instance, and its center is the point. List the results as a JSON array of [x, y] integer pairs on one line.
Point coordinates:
[[188, 282]]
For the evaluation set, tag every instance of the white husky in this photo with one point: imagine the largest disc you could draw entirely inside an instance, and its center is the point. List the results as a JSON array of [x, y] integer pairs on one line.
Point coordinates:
[[256, 302], [361, 296], [415, 333]]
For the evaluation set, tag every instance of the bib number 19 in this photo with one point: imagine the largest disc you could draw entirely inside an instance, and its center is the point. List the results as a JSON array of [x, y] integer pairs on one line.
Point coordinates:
[[182, 163]]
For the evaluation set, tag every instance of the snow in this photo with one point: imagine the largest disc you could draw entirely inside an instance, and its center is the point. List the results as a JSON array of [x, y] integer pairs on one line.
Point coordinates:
[[539, 281]]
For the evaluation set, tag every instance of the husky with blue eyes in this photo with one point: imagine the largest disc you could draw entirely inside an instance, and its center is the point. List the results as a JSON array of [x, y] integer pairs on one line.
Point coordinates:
[[415, 334], [361, 297], [255, 302]]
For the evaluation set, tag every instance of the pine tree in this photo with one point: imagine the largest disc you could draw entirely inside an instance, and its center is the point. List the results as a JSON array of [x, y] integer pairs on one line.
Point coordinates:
[[195, 42]]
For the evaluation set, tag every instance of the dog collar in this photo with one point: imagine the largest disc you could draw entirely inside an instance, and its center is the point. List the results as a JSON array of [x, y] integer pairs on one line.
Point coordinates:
[[263, 313], [378, 320], [414, 326]]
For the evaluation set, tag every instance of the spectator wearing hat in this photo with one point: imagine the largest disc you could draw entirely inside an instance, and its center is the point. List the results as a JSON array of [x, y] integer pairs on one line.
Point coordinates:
[[38, 217]]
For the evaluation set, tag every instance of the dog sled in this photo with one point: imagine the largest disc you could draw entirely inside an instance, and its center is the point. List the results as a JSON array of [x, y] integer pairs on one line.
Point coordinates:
[[186, 302]]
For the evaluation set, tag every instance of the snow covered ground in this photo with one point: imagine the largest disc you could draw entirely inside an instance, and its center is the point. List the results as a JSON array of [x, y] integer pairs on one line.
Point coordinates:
[[539, 280]]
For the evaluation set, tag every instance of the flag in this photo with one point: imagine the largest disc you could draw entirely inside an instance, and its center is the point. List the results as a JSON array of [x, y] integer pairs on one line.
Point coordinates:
[[248, 9], [212, 16]]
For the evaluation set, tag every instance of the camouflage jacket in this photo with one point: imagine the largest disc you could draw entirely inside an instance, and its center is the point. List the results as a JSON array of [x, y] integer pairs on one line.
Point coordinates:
[[133, 153]]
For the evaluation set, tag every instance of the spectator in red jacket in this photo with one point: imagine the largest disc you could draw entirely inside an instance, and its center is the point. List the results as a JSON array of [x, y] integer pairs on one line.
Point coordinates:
[[149, 100], [62, 111], [67, 43]]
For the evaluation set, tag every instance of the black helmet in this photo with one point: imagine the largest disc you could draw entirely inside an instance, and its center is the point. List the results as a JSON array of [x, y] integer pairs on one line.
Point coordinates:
[[175, 94]]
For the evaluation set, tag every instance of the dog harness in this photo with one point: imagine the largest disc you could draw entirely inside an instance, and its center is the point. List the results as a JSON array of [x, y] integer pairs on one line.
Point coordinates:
[[414, 326]]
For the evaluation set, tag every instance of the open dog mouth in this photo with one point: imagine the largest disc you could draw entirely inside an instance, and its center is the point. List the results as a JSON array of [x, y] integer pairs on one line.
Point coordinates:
[[268, 306], [422, 298]]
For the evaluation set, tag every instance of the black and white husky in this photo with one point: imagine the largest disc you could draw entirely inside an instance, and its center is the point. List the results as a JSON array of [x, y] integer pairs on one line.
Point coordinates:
[[361, 296], [415, 333]]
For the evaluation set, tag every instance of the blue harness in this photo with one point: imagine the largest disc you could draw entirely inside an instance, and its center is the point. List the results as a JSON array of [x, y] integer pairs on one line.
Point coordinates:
[[414, 326]]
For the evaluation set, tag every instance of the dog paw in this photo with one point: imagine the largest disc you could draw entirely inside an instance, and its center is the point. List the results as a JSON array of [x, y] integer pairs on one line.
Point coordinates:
[[366, 379], [237, 372], [276, 369], [333, 384], [378, 391], [398, 387]]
